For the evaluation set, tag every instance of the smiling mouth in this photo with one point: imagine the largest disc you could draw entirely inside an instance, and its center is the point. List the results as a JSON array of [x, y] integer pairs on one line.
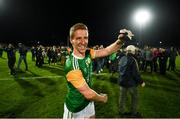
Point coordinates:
[[82, 47]]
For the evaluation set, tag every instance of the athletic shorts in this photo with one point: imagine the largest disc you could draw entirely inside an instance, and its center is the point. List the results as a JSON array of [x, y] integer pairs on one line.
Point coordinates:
[[88, 111]]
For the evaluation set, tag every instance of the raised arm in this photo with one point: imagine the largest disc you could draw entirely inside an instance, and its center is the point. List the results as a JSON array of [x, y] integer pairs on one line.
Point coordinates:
[[114, 46]]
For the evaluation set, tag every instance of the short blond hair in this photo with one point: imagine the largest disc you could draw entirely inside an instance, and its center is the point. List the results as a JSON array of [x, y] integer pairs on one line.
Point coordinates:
[[75, 27]]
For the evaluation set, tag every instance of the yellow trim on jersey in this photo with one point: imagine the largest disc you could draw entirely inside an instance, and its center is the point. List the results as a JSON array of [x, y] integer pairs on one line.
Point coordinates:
[[75, 77], [92, 53]]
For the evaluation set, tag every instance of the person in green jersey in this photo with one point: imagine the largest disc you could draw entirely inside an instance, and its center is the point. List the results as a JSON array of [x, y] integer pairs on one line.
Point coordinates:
[[79, 102]]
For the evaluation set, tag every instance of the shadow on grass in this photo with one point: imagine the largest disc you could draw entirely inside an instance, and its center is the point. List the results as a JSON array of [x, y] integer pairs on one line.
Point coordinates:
[[30, 89], [170, 79], [29, 73], [163, 84], [112, 78], [17, 109], [177, 72], [163, 87], [27, 85], [31, 93], [54, 69], [47, 81], [13, 113], [3, 58]]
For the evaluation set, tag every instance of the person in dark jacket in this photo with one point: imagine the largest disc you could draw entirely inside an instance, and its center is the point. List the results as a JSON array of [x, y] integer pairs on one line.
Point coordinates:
[[22, 51], [11, 55], [163, 57], [129, 80], [1, 51], [39, 56], [33, 52], [172, 59]]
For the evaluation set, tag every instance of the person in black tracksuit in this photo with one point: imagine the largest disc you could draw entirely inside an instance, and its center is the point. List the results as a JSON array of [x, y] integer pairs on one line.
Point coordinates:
[[163, 57], [1, 51], [22, 51], [39, 57], [33, 52], [11, 55], [128, 81], [172, 59]]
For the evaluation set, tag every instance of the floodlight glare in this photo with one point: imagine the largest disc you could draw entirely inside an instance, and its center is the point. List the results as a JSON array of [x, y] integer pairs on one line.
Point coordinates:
[[142, 16]]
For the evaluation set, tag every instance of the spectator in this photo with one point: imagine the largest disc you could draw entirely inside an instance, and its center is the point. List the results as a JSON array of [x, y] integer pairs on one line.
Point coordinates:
[[163, 56], [39, 57], [148, 59], [129, 80], [1, 51], [172, 59], [11, 55], [33, 52], [22, 51]]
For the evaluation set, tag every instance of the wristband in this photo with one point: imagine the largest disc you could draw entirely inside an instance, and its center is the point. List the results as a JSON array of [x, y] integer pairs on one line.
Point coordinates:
[[118, 42]]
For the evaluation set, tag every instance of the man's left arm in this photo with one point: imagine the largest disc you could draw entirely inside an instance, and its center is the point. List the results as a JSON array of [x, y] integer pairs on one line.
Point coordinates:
[[114, 46]]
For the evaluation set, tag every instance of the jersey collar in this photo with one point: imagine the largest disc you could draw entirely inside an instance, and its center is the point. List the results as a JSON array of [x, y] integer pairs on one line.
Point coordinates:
[[77, 56]]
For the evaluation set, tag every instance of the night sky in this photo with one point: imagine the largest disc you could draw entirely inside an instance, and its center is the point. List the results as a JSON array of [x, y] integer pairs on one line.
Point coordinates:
[[48, 21]]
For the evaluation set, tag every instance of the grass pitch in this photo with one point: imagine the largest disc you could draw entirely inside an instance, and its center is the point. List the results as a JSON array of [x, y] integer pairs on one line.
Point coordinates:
[[40, 92]]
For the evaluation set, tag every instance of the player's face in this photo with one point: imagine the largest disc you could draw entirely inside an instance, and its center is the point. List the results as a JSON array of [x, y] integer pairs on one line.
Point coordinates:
[[80, 41]]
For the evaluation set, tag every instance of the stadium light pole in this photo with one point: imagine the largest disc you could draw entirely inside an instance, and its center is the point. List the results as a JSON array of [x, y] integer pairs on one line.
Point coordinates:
[[141, 17]]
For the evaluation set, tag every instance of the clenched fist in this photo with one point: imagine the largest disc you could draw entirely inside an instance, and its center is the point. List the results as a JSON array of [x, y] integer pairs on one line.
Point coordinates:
[[105, 97], [125, 32]]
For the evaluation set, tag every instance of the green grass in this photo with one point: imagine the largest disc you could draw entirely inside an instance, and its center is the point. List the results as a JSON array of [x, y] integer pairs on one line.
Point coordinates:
[[25, 96]]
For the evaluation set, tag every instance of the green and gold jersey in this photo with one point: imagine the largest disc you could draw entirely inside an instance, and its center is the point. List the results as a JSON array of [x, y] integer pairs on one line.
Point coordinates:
[[78, 71]]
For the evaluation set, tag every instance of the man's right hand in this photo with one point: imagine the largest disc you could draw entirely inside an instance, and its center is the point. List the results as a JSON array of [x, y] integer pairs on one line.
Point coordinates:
[[105, 97]]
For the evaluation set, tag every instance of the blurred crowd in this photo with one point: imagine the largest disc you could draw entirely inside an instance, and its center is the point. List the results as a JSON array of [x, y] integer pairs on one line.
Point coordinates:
[[150, 59]]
